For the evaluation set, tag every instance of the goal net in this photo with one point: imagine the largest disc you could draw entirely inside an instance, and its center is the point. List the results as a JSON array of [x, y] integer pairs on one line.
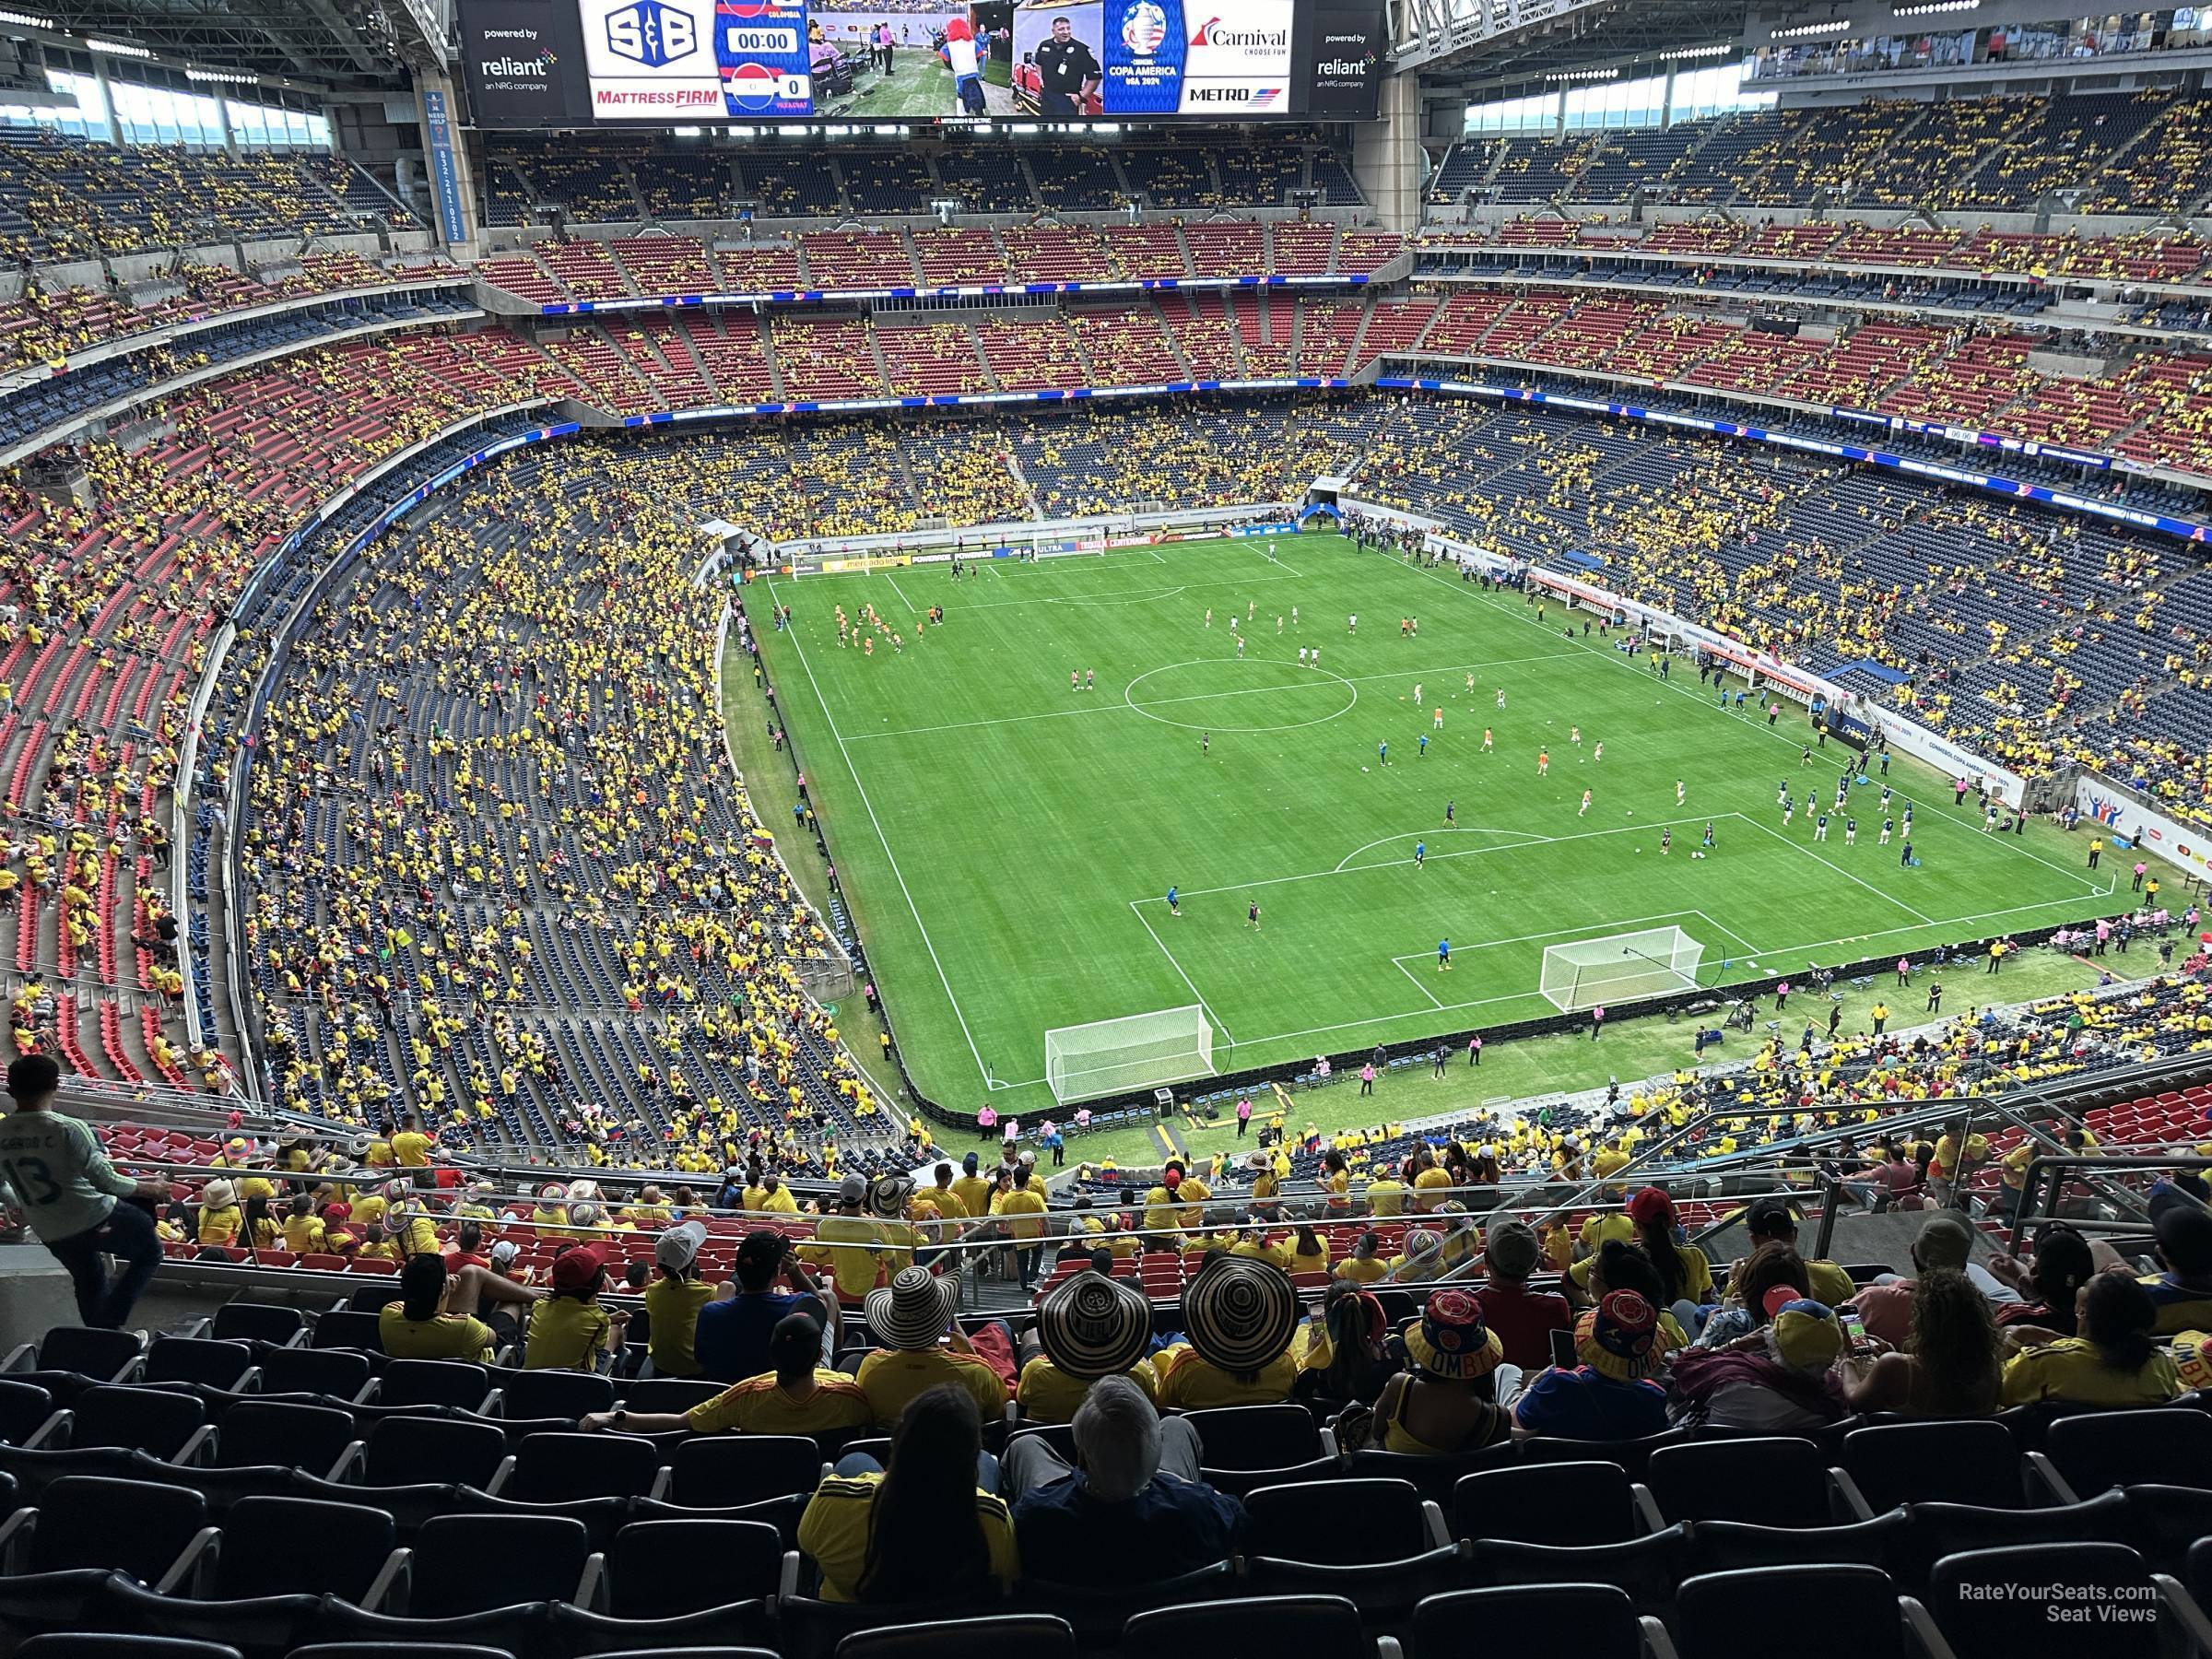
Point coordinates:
[[1620, 967], [1140, 1051]]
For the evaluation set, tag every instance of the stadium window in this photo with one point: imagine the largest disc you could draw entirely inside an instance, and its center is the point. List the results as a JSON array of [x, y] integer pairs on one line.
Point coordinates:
[[1642, 102]]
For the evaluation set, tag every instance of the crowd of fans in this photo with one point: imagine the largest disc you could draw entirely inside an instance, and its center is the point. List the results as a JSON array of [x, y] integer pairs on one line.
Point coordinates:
[[65, 198]]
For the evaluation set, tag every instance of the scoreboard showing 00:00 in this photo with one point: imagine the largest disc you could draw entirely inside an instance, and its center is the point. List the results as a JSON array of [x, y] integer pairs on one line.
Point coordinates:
[[680, 62], [694, 60]]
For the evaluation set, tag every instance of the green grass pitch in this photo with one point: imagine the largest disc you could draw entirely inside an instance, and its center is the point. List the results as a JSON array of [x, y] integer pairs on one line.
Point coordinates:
[[1006, 843]]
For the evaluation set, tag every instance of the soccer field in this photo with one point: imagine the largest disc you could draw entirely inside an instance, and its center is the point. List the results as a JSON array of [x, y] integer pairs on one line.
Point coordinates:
[[1006, 843]]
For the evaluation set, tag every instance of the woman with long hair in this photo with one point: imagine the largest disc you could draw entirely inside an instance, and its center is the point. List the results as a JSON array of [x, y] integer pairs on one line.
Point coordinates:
[[2050, 1281], [921, 1530], [1949, 1364], [1774, 1264], [1344, 1356], [1685, 1273], [2112, 1362]]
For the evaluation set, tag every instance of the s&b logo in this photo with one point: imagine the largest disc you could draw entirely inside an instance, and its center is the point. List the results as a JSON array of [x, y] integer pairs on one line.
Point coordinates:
[[652, 33]]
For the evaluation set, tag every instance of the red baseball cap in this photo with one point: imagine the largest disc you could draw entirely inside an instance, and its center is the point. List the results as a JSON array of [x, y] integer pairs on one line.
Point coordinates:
[[574, 1269]]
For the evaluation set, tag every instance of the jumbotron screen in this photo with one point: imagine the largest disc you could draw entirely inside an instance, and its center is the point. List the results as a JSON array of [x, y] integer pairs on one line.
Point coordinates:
[[682, 63]]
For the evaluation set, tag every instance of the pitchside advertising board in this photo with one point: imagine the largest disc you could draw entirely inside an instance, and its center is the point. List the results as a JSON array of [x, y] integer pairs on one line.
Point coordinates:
[[681, 63]]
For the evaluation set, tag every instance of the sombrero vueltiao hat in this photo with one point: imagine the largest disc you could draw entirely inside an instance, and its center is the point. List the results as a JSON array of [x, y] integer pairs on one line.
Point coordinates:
[[1451, 1339], [913, 1311], [1240, 1314], [1093, 1326]]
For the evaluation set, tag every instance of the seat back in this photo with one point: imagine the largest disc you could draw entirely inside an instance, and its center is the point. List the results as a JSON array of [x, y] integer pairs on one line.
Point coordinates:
[[2085, 1577], [669, 1393], [348, 1328], [553, 1468], [1258, 1627], [1561, 1504], [1647, 1569], [197, 1360], [100, 1355], [339, 1372], [1256, 1437], [1032, 1635], [1765, 1480], [553, 1394], [1726, 1545], [23, 1408], [1937, 1530], [1529, 1618], [433, 1382], [130, 1526], [297, 1546], [474, 1563], [1967, 1462], [1336, 1523], [715, 1470], [662, 1569], [2100, 1448], [1828, 1610], [1631, 1454], [88, 1645], [257, 1322], [411, 1451], [151, 1420], [279, 1432]]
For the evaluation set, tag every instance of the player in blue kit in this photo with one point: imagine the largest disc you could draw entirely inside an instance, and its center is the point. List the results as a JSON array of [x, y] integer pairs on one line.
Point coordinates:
[[1443, 955], [1174, 903], [1420, 853]]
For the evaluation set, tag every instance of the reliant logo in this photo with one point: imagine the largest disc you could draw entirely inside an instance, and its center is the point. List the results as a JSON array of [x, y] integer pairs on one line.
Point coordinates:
[[1347, 67], [513, 68], [1211, 34]]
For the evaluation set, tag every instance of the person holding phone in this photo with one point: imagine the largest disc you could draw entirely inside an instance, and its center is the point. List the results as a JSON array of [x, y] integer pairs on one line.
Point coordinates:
[[731, 1340]]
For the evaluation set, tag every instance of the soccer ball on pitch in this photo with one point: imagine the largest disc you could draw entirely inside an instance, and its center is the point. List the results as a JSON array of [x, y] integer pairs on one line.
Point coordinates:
[[1363, 769]]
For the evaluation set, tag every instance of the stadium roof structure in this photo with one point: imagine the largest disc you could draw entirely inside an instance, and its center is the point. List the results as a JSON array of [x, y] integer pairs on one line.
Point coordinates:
[[1486, 44], [342, 44]]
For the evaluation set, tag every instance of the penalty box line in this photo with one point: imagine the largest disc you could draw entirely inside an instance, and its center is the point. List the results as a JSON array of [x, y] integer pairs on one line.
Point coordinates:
[[1183, 976], [1518, 846]]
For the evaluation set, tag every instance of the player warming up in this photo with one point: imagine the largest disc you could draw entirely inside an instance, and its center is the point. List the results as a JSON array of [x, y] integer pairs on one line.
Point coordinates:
[[1175, 902], [1583, 811], [1420, 853], [1543, 763], [1252, 915], [1443, 955]]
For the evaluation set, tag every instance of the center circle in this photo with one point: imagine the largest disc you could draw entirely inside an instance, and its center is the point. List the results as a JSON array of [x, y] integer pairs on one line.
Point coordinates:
[[1237, 688]]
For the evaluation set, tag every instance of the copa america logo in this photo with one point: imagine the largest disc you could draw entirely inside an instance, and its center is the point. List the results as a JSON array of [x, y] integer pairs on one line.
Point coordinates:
[[1144, 28]]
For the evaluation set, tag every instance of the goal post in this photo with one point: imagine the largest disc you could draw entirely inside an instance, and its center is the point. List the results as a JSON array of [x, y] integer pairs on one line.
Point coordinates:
[[1626, 966], [1139, 1050]]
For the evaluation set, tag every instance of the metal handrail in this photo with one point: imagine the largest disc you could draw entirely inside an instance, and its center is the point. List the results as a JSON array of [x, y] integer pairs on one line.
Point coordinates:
[[2057, 1165]]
